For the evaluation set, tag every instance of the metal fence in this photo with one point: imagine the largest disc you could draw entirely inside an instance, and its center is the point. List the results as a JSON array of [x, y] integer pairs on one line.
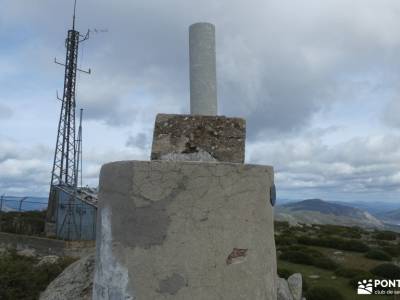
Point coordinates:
[[22, 215], [21, 204]]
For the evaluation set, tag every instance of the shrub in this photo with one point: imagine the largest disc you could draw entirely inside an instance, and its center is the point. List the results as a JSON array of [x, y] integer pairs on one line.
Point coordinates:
[[392, 250], [351, 234], [29, 222], [281, 225], [382, 243], [385, 235], [284, 240], [335, 243], [342, 231], [325, 263], [359, 277], [298, 257], [21, 279], [305, 286], [331, 229], [323, 293], [301, 255], [314, 253], [296, 247], [284, 273], [348, 272], [388, 271], [378, 255]]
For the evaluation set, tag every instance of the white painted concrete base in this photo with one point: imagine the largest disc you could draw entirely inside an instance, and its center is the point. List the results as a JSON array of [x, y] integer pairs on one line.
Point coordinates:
[[185, 230]]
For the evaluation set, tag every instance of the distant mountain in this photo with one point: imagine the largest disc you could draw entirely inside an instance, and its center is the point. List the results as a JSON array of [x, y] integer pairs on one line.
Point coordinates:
[[391, 217], [373, 207], [317, 211]]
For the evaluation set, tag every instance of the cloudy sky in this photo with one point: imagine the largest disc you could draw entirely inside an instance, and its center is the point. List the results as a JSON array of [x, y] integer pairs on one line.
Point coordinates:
[[317, 81]]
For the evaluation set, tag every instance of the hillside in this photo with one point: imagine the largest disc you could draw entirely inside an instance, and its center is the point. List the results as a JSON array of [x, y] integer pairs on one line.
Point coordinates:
[[317, 211], [392, 217], [336, 257]]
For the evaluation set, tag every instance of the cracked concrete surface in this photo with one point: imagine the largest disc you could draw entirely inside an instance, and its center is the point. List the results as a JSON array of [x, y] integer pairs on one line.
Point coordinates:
[[199, 138], [173, 224]]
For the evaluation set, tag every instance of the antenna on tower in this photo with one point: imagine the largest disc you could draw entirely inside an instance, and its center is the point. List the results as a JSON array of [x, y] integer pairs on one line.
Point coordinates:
[[64, 175], [73, 18], [78, 176]]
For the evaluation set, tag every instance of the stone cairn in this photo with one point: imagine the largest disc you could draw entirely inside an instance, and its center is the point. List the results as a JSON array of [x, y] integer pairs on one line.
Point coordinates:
[[194, 222]]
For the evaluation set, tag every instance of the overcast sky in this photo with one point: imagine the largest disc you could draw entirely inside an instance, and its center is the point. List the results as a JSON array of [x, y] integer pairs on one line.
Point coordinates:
[[317, 81]]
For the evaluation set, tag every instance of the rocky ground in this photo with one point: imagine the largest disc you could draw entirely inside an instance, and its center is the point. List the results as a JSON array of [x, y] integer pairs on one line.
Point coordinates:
[[74, 283], [290, 289]]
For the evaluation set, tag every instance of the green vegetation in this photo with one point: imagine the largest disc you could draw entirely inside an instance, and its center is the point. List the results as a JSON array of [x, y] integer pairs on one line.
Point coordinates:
[[392, 250], [335, 243], [297, 257], [336, 257], [378, 254], [21, 278], [385, 235], [29, 222], [284, 273], [324, 293], [308, 256], [341, 231], [388, 271], [353, 282], [348, 272], [325, 263]]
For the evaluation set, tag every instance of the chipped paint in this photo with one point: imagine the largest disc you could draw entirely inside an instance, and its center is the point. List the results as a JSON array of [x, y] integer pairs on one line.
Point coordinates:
[[237, 256], [111, 278]]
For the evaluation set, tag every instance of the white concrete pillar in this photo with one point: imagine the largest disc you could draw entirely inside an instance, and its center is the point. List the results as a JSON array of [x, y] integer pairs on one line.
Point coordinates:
[[203, 75]]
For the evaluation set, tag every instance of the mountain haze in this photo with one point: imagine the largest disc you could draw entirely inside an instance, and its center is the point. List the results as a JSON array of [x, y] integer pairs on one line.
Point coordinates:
[[391, 217], [317, 211]]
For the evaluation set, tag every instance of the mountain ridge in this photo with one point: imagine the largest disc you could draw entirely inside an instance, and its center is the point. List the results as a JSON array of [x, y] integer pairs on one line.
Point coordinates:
[[318, 211]]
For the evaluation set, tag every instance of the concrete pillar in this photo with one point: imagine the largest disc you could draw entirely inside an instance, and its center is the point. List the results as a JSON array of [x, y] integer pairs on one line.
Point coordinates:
[[171, 230], [203, 77]]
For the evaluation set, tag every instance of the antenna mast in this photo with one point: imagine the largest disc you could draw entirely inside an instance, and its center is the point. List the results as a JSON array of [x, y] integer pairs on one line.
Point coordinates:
[[78, 175], [73, 18], [64, 173]]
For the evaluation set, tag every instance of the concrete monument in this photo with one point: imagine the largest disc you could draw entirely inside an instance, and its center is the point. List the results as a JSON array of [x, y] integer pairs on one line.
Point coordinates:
[[203, 74], [194, 222]]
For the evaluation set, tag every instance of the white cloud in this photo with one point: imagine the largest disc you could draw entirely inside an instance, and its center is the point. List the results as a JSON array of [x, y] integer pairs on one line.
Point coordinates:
[[279, 64], [359, 165]]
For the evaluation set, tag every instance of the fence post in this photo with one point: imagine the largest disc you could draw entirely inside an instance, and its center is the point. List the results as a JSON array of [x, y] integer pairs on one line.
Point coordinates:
[[1, 210]]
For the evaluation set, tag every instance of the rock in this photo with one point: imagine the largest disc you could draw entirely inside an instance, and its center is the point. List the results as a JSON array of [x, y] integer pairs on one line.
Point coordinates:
[[293, 223], [283, 290], [314, 276], [295, 283], [27, 252], [214, 138], [49, 259], [75, 283]]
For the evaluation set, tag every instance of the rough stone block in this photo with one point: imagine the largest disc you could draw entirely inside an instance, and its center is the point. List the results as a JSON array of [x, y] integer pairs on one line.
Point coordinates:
[[199, 138], [185, 230]]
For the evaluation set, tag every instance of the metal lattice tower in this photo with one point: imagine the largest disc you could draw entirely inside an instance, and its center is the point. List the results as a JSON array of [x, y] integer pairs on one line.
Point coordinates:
[[66, 157]]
